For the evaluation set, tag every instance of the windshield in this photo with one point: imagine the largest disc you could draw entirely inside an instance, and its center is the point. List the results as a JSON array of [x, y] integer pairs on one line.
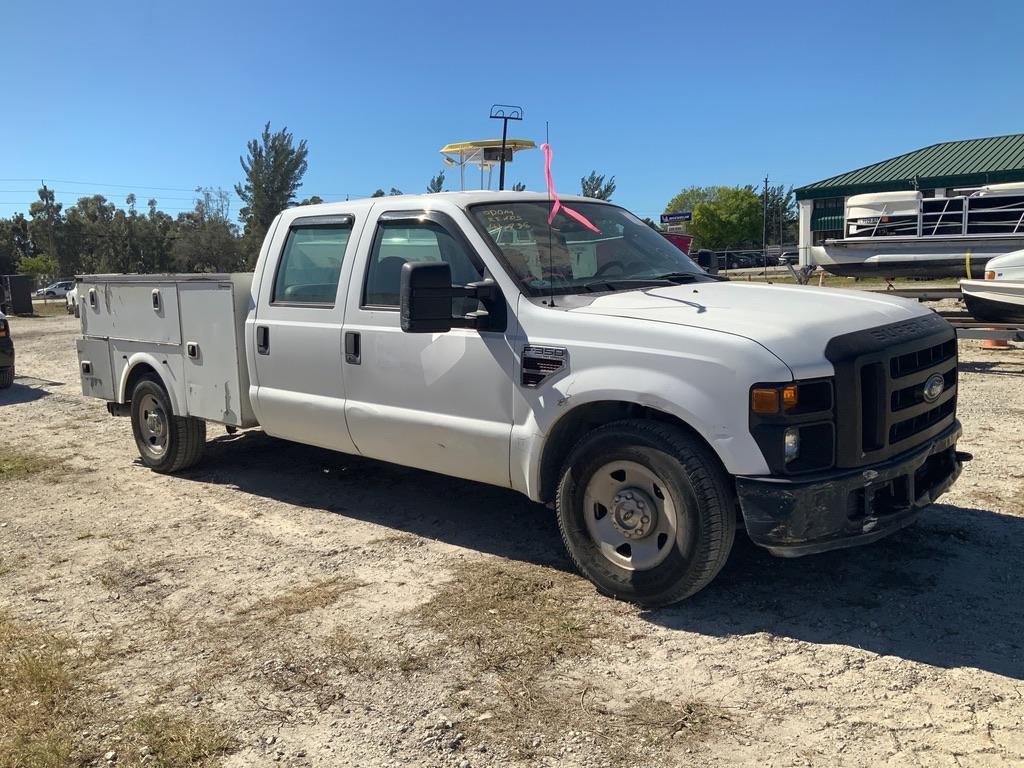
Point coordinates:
[[569, 258]]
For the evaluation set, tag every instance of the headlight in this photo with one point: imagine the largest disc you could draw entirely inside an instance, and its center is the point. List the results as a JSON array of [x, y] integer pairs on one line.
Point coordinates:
[[794, 424], [791, 443]]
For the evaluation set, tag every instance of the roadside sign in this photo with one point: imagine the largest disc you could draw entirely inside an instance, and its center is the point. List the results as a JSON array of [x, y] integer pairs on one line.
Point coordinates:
[[668, 218]]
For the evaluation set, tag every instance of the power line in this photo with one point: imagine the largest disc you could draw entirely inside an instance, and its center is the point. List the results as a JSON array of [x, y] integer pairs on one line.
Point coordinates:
[[103, 184]]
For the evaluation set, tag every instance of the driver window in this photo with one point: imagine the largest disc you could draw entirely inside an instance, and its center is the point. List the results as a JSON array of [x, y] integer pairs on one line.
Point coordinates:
[[400, 241]]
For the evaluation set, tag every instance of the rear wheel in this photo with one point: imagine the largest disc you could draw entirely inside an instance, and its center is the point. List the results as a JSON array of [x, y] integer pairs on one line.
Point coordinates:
[[6, 377], [166, 443], [646, 512]]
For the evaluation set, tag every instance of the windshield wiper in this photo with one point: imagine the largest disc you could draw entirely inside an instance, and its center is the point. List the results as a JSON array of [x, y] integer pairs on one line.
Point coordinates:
[[687, 277], [626, 282]]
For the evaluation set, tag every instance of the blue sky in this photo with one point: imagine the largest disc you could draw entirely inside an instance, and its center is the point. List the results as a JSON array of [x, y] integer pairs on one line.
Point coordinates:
[[662, 95]]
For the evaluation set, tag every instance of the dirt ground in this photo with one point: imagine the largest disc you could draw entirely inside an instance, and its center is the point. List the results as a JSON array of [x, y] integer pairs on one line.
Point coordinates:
[[281, 604]]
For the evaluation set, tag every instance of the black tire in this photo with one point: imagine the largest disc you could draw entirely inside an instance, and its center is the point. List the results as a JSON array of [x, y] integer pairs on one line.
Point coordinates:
[[698, 487], [6, 377], [78, 311], [183, 438]]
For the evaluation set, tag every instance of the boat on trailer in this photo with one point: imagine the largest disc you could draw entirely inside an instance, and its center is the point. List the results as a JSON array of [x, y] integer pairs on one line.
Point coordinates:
[[904, 234], [999, 298]]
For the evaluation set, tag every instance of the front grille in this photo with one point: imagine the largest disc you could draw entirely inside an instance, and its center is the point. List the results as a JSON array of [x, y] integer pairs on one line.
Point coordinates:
[[910, 396], [912, 362], [881, 375], [903, 430]]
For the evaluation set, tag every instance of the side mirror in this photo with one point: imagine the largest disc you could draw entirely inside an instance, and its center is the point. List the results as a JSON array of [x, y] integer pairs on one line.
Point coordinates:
[[426, 295], [426, 299]]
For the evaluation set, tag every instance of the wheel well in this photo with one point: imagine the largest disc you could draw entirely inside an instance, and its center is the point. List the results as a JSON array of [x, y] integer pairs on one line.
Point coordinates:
[[571, 427], [136, 373]]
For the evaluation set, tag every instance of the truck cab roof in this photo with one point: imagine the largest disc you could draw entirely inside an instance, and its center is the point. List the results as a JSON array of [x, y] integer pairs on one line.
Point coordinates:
[[428, 200]]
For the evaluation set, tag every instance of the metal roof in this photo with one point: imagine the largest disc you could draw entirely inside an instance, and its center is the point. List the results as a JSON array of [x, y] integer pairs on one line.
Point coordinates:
[[968, 163]]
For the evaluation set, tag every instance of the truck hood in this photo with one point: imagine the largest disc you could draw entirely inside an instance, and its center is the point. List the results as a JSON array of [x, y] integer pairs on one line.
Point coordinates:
[[791, 321]]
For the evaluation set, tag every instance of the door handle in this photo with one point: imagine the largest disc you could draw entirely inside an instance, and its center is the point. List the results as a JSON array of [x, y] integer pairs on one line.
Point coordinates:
[[352, 348], [263, 339]]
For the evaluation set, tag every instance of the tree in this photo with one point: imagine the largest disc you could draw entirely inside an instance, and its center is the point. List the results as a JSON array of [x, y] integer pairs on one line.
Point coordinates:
[[42, 268], [690, 198], [47, 228], [652, 224], [378, 193], [15, 243], [395, 191], [782, 214], [723, 217], [595, 186], [90, 236], [206, 240], [436, 182], [273, 171], [312, 200], [519, 187]]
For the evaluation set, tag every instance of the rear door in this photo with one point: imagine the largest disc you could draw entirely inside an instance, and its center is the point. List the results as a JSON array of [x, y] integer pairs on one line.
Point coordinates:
[[441, 401], [296, 344]]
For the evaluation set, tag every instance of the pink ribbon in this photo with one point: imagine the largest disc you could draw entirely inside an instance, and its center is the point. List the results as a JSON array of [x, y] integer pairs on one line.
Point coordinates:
[[558, 206]]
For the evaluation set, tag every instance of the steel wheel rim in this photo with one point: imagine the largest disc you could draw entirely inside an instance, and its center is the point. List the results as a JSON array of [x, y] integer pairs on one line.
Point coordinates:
[[617, 499], [153, 425]]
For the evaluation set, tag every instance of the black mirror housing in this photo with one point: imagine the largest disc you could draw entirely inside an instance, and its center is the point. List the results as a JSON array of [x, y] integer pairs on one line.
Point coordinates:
[[426, 297], [426, 294]]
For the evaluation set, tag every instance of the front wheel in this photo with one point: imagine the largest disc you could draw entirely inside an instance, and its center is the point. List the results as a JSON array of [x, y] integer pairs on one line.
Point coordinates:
[[166, 443], [646, 512], [6, 377]]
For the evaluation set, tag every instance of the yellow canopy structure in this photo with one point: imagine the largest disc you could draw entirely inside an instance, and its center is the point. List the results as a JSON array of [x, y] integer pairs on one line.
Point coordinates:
[[486, 153]]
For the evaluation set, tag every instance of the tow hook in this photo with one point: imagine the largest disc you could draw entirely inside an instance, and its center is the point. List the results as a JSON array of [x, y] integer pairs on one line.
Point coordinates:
[[964, 456]]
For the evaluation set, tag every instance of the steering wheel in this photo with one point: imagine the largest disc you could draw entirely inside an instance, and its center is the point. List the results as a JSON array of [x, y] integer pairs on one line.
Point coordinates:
[[614, 263]]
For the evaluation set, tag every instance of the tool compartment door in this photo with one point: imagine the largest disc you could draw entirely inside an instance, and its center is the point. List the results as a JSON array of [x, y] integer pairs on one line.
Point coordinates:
[[95, 369], [140, 311], [211, 349]]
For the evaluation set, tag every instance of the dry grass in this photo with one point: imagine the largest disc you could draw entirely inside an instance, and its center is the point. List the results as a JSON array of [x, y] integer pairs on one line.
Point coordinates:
[[162, 740], [527, 629], [49, 697], [39, 704], [516, 619], [50, 308], [298, 600], [16, 463]]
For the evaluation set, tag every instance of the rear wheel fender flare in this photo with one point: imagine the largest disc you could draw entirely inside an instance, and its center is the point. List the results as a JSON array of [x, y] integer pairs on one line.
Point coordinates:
[[145, 358]]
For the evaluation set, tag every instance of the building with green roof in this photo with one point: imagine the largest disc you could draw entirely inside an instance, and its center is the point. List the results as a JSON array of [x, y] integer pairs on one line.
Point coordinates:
[[952, 168]]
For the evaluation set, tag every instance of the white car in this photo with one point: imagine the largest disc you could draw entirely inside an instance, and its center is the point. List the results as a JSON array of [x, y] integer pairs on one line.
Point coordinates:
[[587, 363], [56, 290], [71, 300]]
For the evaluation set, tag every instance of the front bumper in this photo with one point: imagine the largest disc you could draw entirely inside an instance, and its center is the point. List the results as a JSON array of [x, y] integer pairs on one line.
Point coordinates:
[[791, 517]]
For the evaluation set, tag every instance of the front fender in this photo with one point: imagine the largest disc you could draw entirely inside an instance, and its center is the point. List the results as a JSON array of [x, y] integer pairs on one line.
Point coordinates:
[[716, 413]]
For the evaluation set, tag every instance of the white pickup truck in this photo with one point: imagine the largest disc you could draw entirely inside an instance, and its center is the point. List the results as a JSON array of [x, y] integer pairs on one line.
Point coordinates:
[[656, 407]]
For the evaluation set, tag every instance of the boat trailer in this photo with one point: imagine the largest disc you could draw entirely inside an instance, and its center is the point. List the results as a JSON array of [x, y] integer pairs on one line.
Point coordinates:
[[966, 326]]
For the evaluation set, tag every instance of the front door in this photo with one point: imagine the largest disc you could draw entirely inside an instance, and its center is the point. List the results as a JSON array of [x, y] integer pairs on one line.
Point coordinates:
[[296, 342], [441, 402]]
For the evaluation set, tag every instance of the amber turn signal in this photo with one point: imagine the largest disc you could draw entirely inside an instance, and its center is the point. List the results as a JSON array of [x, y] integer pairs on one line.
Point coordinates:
[[764, 400], [990, 275], [789, 397]]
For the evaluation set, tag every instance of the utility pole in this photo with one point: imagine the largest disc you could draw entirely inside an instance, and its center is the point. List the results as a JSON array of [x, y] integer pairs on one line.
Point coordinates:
[[504, 112], [764, 226]]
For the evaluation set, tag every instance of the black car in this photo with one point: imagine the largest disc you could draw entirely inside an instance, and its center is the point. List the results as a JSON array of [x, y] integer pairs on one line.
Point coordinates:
[[6, 354]]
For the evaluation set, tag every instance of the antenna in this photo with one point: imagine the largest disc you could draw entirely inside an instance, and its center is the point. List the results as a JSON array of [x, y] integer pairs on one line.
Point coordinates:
[[551, 251], [504, 112]]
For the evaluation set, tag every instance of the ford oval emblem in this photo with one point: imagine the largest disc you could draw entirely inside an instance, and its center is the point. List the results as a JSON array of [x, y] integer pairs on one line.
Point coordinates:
[[933, 387]]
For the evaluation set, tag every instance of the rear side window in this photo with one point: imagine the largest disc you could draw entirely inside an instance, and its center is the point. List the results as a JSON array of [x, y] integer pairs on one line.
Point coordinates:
[[311, 264]]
